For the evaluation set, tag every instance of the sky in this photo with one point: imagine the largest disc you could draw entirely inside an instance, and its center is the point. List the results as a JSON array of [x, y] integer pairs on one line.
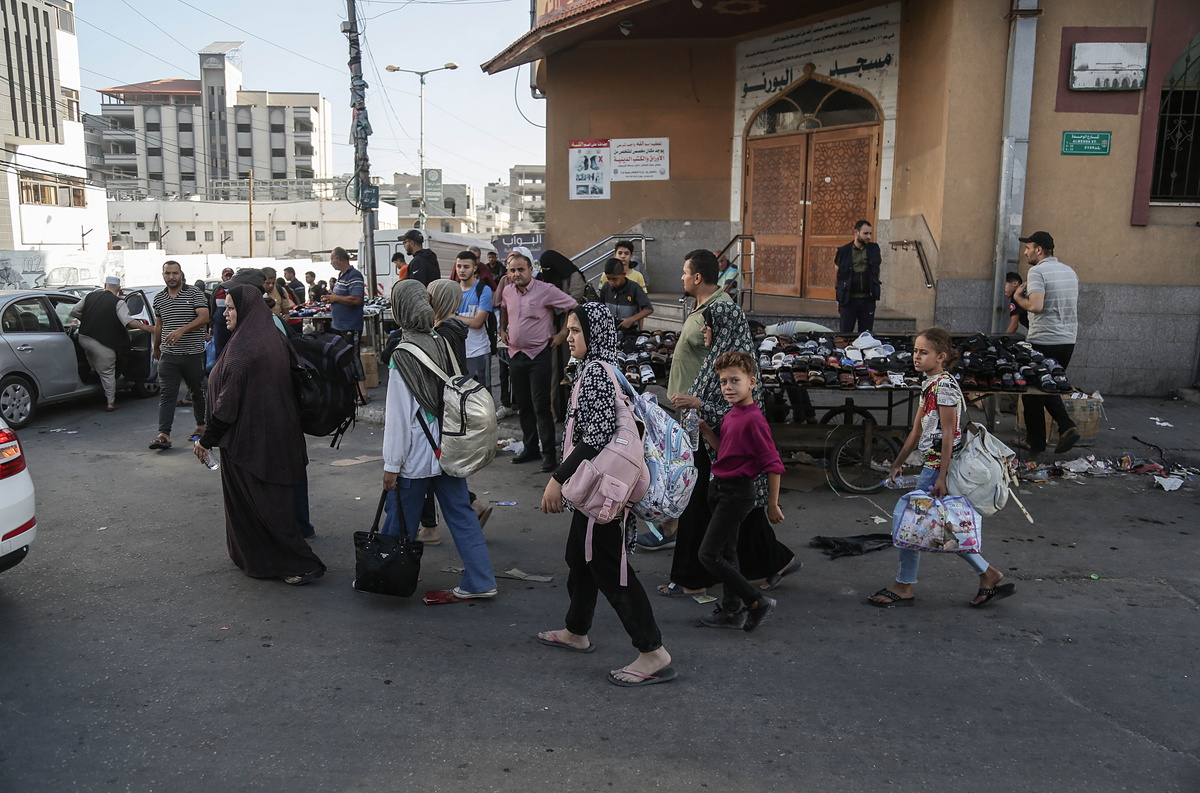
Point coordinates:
[[474, 130]]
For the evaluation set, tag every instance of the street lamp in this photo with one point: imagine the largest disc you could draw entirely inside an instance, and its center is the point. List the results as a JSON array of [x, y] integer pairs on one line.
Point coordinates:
[[421, 141]]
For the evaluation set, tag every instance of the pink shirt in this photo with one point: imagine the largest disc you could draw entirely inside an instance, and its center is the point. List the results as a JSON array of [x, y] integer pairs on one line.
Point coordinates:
[[746, 448], [531, 315]]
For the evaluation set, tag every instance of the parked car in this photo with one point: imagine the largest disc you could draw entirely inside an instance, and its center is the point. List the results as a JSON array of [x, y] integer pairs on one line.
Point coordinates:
[[41, 363], [18, 525], [79, 290]]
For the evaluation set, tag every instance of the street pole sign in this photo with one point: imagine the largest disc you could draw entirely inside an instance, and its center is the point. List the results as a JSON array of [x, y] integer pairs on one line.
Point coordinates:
[[433, 185], [1086, 143]]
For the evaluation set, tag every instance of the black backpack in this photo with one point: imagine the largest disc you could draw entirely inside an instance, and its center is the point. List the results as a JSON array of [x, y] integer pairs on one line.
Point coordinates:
[[325, 384], [490, 324]]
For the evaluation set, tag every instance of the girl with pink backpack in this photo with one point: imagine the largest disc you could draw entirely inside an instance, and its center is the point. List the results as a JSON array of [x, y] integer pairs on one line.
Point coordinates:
[[599, 417]]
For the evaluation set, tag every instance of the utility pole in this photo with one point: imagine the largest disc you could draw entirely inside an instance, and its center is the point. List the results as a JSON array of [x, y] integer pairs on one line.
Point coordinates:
[[359, 132], [251, 174]]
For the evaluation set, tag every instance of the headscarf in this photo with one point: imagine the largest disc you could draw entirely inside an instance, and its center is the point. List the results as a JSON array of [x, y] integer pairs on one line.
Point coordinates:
[[250, 389], [446, 298], [556, 269], [595, 416], [414, 314]]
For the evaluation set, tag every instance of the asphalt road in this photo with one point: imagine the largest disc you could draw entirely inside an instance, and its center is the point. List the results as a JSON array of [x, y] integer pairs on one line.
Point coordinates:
[[136, 657]]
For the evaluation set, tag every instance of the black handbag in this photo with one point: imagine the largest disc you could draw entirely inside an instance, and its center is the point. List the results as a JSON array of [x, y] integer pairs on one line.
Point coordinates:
[[386, 564]]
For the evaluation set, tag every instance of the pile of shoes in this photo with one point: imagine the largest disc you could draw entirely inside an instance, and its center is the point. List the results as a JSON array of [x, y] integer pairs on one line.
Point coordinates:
[[819, 360], [1005, 364], [646, 358]]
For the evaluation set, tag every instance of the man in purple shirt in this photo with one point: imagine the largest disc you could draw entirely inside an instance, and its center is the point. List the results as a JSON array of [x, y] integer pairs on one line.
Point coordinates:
[[527, 326]]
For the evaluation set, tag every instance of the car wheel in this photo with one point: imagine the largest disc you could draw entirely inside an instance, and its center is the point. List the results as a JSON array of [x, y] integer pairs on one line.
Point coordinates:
[[145, 390], [18, 401]]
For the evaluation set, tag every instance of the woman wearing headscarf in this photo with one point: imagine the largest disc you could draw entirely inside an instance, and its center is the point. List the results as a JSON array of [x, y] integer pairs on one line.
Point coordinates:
[[412, 438], [760, 553], [560, 271], [602, 567], [252, 418]]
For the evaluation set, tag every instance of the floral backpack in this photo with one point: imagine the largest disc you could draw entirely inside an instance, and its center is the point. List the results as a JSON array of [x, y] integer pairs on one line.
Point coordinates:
[[670, 459]]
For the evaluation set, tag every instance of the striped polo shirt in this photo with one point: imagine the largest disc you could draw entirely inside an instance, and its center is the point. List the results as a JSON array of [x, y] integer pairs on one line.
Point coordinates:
[[1058, 322], [174, 313]]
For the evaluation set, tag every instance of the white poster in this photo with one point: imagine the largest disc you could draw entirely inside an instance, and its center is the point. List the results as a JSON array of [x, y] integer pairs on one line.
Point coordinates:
[[588, 165], [640, 159], [860, 49]]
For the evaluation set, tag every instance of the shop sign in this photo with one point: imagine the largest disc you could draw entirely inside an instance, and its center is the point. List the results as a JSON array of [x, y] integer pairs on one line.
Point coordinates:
[[1086, 143]]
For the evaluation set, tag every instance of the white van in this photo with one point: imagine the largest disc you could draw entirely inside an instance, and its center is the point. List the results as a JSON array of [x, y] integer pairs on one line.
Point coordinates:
[[388, 242]]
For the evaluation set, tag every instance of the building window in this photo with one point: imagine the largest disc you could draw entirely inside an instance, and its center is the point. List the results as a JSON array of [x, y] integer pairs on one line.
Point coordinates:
[[155, 177], [185, 126], [153, 126], [66, 19], [277, 127], [1176, 176], [303, 224], [208, 236], [313, 224], [243, 127], [243, 174], [50, 190], [260, 236], [140, 226], [244, 152], [154, 236], [71, 104], [280, 236], [154, 152], [187, 152], [189, 236], [226, 236], [187, 176], [278, 174], [278, 153]]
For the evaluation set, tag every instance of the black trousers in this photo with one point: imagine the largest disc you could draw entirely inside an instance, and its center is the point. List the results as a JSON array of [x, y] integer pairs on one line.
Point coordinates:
[[603, 574], [859, 310], [505, 389], [1035, 420], [731, 501], [531, 391]]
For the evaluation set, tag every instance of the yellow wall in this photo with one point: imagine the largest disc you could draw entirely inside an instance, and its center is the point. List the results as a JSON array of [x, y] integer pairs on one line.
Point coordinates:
[[682, 90]]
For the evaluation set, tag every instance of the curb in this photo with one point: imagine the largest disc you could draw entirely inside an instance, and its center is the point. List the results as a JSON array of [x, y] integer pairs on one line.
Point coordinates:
[[1189, 395]]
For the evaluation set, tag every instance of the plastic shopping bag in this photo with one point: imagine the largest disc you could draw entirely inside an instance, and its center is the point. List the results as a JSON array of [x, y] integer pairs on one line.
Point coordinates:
[[942, 525]]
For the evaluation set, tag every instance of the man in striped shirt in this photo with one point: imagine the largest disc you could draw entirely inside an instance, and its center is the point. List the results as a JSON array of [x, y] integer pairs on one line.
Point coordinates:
[[180, 318]]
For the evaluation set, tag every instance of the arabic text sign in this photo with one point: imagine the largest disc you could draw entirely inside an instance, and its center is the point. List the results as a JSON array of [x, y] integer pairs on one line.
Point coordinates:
[[640, 159], [1086, 143], [588, 165]]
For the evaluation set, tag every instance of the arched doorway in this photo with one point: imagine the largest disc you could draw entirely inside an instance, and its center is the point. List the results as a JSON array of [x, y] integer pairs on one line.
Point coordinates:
[[812, 170]]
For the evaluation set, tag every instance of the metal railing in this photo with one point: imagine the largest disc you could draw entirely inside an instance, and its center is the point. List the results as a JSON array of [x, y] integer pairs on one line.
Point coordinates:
[[607, 245], [928, 273], [745, 245]]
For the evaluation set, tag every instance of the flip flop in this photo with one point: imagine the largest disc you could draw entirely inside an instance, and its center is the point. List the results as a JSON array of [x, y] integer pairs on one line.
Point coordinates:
[[776, 579], [158, 444], [996, 593], [673, 590], [665, 675], [301, 580], [436, 597], [556, 642], [893, 600]]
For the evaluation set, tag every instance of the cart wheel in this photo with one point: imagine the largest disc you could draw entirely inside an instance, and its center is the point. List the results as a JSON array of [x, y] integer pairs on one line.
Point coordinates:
[[848, 415], [857, 469]]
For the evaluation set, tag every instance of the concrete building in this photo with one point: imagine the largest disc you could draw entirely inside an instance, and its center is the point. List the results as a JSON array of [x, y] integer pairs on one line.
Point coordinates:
[[181, 137], [455, 212], [46, 201], [948, 123], [527, 198], [281, 229]]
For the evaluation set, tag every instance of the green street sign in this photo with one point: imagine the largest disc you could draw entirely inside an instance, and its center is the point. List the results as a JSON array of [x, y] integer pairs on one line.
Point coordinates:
[[1087, 143]]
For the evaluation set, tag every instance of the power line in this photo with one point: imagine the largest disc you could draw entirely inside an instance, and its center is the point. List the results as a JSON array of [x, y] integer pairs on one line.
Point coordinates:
[[165, 33], [130, 44], [516, 82]]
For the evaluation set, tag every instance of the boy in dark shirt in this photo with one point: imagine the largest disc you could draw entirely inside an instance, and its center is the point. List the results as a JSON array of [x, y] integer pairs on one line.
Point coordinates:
[[745, 450], [625, 299], [1017, 316]]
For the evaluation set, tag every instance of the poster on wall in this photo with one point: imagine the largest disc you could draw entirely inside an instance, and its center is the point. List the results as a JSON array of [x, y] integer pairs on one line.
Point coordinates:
[[640, 159], [589, 165]]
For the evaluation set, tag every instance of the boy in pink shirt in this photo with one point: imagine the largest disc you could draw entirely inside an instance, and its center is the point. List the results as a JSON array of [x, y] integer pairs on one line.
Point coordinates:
[[745, 451]]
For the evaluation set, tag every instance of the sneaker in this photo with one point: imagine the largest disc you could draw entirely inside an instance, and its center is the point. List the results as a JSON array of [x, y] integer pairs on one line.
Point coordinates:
[[652, 542], [866, 341], [459, 592], [719, 619], [760, 614], [501, 412]]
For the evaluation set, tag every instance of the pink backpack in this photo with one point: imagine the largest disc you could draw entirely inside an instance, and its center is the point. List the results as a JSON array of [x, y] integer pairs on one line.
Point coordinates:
[[605, 487]]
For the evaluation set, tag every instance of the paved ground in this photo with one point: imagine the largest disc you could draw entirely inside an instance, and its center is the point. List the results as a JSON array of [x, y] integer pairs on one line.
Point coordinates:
[[137, 658]]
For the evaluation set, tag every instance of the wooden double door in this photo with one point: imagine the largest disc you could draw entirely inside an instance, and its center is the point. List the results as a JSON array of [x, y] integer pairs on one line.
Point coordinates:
[[804, 193]]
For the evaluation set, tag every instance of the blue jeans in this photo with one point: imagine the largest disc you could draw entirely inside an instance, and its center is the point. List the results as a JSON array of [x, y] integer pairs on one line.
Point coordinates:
[[452, 494], [910, 558]]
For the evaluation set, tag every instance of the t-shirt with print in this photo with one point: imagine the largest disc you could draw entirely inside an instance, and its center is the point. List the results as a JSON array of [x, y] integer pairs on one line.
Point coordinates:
[[939, 391], [349, 283], [477, 298], [176, 312]]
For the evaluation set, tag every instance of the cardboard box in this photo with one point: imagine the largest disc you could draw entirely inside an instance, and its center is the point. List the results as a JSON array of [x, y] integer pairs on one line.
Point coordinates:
[[370, 365], [1084, 412]]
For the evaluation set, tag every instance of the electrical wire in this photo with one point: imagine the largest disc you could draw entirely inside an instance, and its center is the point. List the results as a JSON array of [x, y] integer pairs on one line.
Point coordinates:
[[516, 82], [165, 33], [130, 44]]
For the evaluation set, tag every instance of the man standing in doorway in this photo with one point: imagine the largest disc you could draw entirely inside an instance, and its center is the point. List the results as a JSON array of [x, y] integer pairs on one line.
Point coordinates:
[[423, 263], [181, 316], [346, 310], [527, 327], [103, 319], [858, 279], [1051, 296]]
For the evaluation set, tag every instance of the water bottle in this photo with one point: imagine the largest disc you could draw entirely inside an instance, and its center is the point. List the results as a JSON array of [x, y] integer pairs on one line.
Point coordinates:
[[210, 460], [691, 425], [902, 482]]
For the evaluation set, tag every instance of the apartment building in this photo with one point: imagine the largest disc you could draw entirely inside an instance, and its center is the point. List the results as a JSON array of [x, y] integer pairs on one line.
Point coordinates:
[[184, 137], [527, 198]]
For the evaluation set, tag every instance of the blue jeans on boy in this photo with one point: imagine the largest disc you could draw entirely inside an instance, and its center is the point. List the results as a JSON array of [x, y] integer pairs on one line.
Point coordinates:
[[452, 494], [910, 558]]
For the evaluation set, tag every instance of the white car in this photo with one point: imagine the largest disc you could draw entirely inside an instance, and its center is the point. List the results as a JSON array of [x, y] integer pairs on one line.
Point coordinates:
[[18, 525]]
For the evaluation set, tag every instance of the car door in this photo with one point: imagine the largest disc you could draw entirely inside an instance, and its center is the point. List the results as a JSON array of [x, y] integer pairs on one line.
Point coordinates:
[[140, 365], [42, 347]]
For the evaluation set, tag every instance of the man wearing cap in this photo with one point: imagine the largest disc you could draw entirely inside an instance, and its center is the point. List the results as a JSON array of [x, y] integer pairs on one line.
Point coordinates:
[[423, 263], [1051, 296], [103, 319], [527, 311], [180, 319]]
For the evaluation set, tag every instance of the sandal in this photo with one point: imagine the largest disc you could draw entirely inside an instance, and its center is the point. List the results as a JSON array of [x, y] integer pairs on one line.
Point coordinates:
[[893, 600], [775, 580], [673, 590], [995, 593], [161, 441], [301, 580]]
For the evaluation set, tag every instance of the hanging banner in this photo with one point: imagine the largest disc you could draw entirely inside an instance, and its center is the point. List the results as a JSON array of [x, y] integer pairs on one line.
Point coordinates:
[[588, 165], [640, 159]]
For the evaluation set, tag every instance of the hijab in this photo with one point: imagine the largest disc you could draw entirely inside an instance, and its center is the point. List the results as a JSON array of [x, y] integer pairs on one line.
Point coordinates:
[[600, 333], [594, 414], [556, 269], [446, 297], [414, 314]]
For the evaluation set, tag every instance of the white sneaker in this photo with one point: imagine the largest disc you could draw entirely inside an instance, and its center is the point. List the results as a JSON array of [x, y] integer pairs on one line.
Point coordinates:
[[866, 341], [459, 592], [501, 412]]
